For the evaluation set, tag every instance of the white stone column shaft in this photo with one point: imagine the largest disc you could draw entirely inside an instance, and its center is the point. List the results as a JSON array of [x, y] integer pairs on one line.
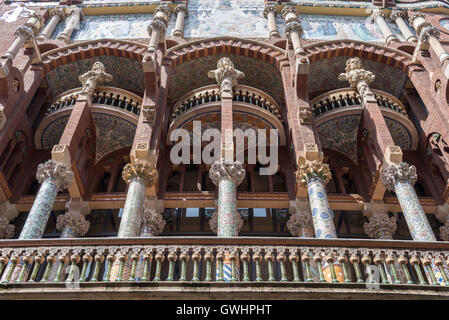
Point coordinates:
[[379, 17], [181, 12], [72, 23], [56, 17], [398, 18], [270, 14]]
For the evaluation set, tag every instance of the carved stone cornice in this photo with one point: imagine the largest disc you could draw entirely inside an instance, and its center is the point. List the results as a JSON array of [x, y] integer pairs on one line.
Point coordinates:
[[299, 221], [153, 221], [73, 220], [313, 169], [226, 76], [397, 172], [6, 229], [57, 172], [358, 78], [380, 224], [91, 78], [143, 169], [227, 170], [213, 222], [267, 9], [25, 32]]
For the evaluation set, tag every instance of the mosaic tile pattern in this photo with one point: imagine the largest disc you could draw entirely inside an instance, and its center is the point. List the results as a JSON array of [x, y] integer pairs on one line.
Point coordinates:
[[437, 273], [227, 209], [445, 23], [323, 217], [235, 18], [327, 271], [413, 212], [258, 74], [324, 76], [127, 74], [130, 222], [401, 136]]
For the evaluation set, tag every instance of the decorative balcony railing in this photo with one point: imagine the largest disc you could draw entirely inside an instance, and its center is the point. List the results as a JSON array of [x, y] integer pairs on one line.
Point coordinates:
[[110, 96], [342, 98], [210, 93], [418, 265]]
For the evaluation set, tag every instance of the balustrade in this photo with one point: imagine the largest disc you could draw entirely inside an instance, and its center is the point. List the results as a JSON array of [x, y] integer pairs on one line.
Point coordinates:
[[263, 262]]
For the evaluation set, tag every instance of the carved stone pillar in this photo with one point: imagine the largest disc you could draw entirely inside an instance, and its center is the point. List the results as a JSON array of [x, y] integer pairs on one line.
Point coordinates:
[[270, 13], [227, 175], [315, 175], [155, 29], [398, 17], [181, 12], [400, 178], [139, 176], [75, 15], [72, 225], [54, 177], [153, 224], [24, 34], [379, 17], [293, 29], [56, 15]]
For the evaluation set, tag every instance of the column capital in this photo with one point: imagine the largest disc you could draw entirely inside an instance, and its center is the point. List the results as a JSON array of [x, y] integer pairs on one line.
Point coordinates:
[[154, 221], [444, 232], [227, 170], [427, 32], [298, 221], [396, 14], [267, 9], [91, 78], [380, 226], [358, 78], [24, 31], [156, 25], [58, 12], [226, 76], [162, 13], [73, 220], [416, 15], [143, 169], [396, 172], [313, 169], [213, 222], [57, 172], [181, 7], [379, 13], [6, 229], [293, 26], [289, 10]]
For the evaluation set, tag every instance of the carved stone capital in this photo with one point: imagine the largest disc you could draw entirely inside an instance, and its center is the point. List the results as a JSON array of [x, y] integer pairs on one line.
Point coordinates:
[[396, 14], [226, 76], [149, 114], [428, 32], [143, 169], [92, 78], [380, 226], [156, 25], [73, 220], [6, 229], [153, 222], [416, 15], [162, 13], [379, 13], [313, 169], [57, 172], [289, 13], [305, 115], [397, 172], [213, 222], [444, 232], [58, 12], [293, 26], [182, 8], [299, 221], [358, 78], [25, 32], [227, 170], [269, 8]]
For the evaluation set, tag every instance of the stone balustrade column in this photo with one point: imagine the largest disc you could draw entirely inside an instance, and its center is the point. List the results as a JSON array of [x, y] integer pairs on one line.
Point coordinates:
[[227, 175], [379, 18], [315, 175], [398, 17], [139, 176], [56, 15], [24, 34], [428, 36], [75, 16], [181, 12], [53, 177], [293, 28], [400, 178], [270, 13]]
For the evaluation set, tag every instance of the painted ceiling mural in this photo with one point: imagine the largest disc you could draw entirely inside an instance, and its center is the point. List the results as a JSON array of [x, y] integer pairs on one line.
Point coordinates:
[[258, 74], [127, 74], [323, 76]]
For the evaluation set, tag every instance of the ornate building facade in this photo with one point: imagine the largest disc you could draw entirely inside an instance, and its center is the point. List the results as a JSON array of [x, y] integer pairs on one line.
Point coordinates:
[[93, 96]]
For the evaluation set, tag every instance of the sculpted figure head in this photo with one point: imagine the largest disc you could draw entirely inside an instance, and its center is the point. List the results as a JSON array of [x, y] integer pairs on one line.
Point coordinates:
[[352, 64]]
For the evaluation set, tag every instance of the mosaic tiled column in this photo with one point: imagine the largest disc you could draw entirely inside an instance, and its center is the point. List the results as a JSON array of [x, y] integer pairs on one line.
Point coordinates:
[[380, 226], [56, 16], [315, 175], [227, 175], [400, 178], [72, 225], [54, 176], [139, 176]]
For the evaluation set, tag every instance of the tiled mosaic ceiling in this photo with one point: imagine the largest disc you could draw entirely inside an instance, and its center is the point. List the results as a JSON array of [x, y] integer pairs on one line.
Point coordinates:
[[127, 74], [113, 133], [324, 76], [193, 74]]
